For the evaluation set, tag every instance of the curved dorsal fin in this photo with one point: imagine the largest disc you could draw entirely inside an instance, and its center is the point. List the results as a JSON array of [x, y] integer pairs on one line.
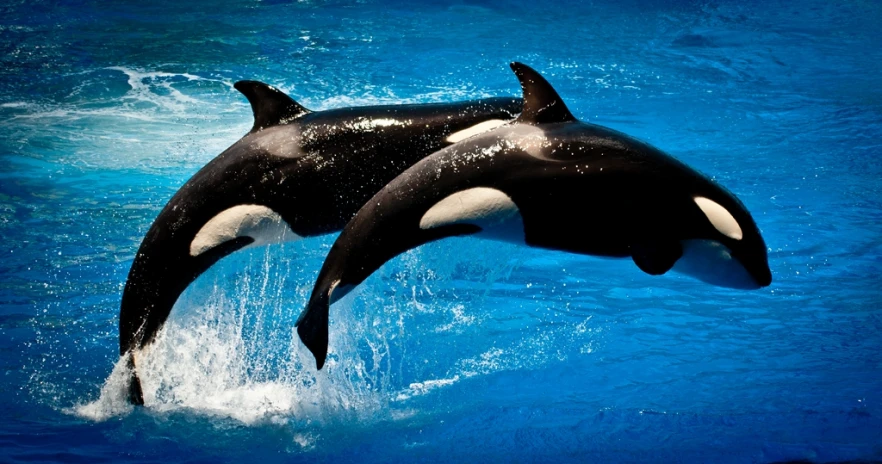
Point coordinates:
[[542, 104], [270, 105]]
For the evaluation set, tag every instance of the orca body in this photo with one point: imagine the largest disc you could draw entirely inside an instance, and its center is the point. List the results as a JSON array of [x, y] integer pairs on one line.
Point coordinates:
[[296, 174], [550, 181]]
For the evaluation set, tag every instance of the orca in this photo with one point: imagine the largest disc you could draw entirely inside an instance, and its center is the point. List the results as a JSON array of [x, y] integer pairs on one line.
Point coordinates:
[[548, 180], [296, 174]]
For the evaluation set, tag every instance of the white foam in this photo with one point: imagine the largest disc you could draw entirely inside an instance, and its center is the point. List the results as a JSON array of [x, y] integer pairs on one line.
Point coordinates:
[[460, 319], [230, 360], [234, 354], [113, 400], [425, 387], [143, 83]]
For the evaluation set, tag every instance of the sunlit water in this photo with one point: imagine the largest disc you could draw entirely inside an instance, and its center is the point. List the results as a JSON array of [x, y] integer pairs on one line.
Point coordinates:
[[462, 349]]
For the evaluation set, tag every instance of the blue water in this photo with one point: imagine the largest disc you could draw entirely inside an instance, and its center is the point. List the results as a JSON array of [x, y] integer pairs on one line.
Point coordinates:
[[463, 349]]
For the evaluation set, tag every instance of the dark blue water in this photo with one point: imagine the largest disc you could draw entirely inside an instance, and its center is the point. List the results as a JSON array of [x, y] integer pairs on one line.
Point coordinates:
[[463, 349]]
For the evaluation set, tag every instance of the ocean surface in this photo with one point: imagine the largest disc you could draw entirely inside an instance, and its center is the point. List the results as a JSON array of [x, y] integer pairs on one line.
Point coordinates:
[[462, 350]]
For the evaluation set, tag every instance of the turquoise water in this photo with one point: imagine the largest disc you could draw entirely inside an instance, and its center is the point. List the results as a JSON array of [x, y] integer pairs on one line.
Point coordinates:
[[463, 349]]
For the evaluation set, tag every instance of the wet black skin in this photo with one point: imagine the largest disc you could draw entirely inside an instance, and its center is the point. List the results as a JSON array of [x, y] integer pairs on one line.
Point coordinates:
[[315, 169], [581, 188]]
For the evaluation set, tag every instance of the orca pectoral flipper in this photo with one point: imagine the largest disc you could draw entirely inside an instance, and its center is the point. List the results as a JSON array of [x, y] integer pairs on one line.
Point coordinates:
[[352, 259], [312, 325], [658, 258]]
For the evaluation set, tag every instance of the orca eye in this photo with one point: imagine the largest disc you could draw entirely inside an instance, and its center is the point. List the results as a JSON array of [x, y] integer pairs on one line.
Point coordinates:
[[720, 218]]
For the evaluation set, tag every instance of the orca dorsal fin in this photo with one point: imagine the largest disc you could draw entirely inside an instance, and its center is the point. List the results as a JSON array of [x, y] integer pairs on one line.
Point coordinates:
[[270, 105], [542, 104]]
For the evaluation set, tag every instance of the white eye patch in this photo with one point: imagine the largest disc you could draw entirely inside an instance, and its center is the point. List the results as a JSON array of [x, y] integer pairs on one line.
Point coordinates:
[[262, 224], [481, 206], [720, 218], [475, 130]]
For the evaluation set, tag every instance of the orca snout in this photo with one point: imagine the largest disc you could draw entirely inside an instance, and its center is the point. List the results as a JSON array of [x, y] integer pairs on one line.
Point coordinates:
[[713, 262]]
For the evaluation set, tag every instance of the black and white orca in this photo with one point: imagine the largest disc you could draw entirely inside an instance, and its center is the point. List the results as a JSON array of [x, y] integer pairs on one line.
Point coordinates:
[[296, 174], [548, 180]]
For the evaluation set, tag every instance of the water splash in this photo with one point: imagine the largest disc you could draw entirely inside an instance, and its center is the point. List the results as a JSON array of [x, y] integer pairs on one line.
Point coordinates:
[[230, 350], [113, 400], [236, 355]]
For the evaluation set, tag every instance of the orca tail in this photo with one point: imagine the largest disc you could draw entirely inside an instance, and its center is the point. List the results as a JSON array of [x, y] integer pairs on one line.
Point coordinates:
[[312, 325], [135, 394]]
